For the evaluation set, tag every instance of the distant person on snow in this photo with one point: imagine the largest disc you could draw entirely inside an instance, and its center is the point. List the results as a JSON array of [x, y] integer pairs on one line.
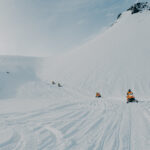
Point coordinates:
[[98, 95], [59, 85], [53, 82], [130, 97]]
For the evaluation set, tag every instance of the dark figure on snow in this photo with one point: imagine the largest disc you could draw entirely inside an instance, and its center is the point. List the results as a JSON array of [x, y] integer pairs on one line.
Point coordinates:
[[59, 85], [53, 82]]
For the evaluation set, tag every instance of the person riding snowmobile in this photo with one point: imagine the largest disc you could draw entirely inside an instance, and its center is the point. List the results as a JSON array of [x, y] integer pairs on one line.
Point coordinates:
[[98, 94], [130, 96]]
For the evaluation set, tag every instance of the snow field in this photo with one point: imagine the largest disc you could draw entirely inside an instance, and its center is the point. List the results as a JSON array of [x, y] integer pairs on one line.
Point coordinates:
[[36, 115], [91, 124]]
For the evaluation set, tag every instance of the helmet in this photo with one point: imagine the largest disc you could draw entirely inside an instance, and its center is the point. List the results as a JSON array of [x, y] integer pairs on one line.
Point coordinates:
[[129, 90]]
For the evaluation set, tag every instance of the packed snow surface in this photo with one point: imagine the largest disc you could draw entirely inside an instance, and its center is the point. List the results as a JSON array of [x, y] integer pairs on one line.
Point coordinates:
[[38, 115]]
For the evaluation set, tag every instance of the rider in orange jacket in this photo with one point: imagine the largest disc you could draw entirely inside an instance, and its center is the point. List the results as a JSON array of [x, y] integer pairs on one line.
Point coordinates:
[[130, 95], [98, 94]]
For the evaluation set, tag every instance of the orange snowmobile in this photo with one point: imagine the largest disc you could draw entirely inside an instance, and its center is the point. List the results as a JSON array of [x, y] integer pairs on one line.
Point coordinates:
[[130, 97], [98, 94]]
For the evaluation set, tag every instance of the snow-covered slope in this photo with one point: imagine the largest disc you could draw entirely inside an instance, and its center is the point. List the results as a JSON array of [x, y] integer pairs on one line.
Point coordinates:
[[37, 115], [16, 71], [112, 62]]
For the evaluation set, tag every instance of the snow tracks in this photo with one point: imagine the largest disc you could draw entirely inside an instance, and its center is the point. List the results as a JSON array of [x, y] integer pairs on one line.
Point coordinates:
[[90, 124]]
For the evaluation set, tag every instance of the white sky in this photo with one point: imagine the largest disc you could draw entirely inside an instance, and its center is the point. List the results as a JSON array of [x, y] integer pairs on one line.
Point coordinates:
[[45, 27]]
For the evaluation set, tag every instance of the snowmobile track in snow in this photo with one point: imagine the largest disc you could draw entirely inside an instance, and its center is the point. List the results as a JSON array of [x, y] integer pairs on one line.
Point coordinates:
[[88, 125]]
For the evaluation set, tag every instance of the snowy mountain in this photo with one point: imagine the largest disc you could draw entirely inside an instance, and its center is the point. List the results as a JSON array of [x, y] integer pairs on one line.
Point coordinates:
[[38, 115], [114, 61]]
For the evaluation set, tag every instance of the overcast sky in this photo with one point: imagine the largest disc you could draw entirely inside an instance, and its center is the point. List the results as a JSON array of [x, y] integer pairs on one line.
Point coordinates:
[[45, 27]]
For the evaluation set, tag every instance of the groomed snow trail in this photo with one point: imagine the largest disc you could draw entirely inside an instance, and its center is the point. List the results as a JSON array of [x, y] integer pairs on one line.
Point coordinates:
[[90, 124]]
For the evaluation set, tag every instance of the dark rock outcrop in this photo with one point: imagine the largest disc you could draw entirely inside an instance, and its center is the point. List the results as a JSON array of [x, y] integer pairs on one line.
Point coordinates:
[[139, 7]]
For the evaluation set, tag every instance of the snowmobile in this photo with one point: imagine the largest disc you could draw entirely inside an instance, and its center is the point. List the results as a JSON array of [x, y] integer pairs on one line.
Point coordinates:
[[98, 95], [131, 98]]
